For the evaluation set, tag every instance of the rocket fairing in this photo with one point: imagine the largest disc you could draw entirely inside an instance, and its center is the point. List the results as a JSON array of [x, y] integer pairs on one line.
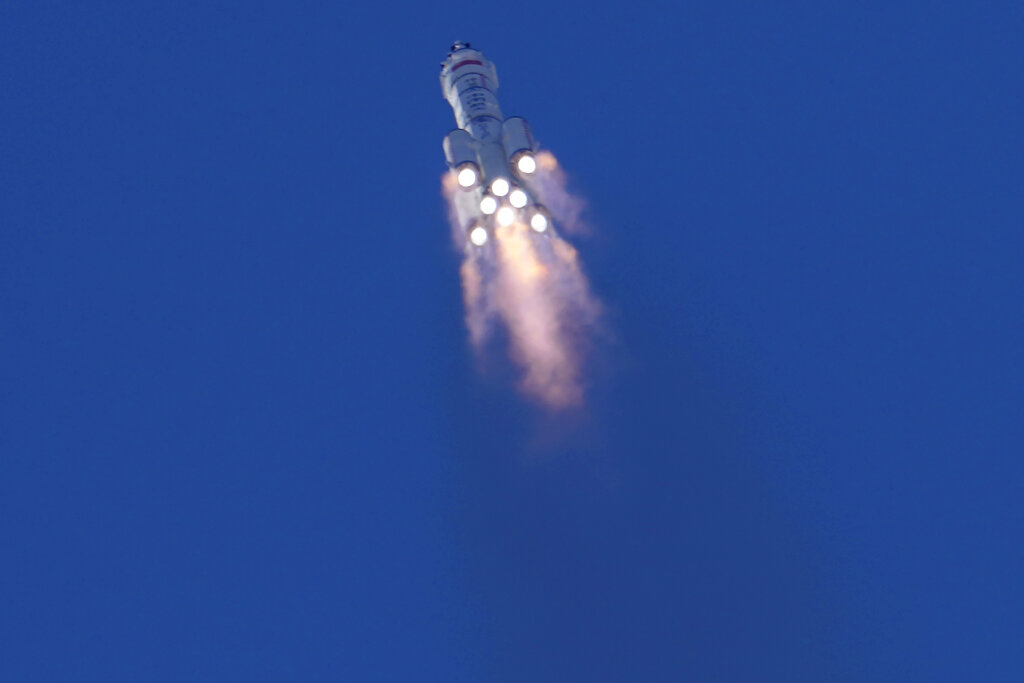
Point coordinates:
[[490, 156]]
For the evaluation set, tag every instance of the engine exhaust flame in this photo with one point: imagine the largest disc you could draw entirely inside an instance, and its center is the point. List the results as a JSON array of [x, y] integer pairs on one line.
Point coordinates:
[[532, 287]]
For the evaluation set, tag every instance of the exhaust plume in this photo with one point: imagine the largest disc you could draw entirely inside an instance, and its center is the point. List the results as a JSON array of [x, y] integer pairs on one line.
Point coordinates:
[[530, 286]]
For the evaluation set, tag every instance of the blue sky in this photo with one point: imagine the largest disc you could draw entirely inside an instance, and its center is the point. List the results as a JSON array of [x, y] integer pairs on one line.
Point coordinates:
[[242, 435]]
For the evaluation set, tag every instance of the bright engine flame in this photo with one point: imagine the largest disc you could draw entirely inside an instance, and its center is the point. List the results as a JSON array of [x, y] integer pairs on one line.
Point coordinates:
[[467, 177], [506, 216], [518, 198], [488, 205], [500, 187], [527, 164], [478, 236]]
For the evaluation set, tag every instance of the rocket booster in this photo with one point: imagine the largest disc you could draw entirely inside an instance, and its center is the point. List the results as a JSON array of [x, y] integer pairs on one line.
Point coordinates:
[[490, 156]]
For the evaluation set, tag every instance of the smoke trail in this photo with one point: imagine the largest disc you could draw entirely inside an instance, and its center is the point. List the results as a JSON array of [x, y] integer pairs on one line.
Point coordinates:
[[531, 286], [550, 189]]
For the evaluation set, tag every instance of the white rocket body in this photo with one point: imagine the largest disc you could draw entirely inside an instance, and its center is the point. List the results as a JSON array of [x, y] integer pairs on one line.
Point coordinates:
[[487, 147]]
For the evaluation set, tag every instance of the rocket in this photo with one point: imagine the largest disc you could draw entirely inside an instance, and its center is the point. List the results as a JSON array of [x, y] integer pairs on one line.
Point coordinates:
[[492, 158]]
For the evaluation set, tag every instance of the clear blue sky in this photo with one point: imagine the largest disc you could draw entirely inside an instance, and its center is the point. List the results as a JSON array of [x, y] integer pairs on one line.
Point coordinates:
[[242, 436]]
